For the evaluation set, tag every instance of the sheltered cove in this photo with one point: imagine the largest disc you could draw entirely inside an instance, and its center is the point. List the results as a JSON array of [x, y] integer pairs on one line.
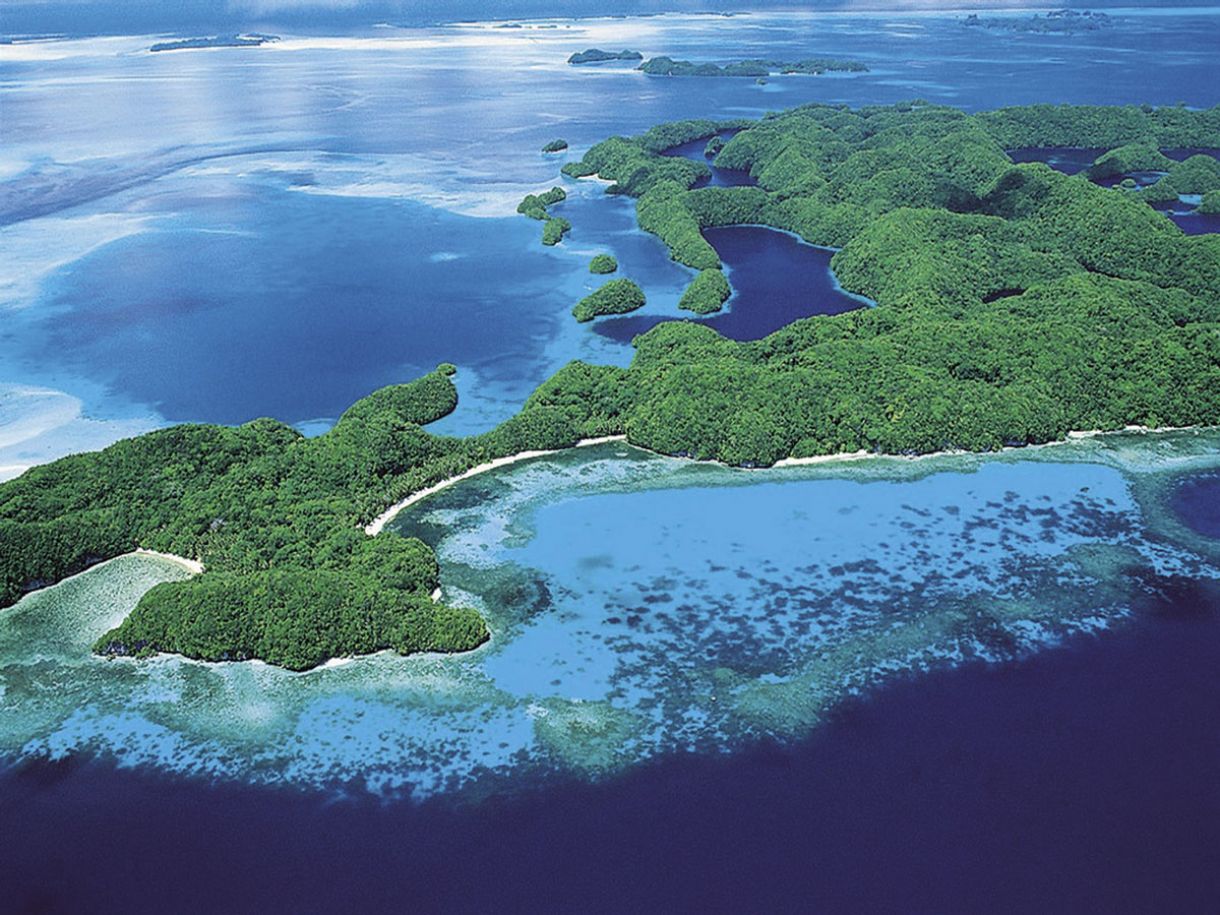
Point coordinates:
[[1022, 298], [378, 524]]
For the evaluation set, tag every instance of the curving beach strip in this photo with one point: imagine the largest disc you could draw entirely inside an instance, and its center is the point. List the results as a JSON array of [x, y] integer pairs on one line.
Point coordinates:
[[378, 524], [194, 566]]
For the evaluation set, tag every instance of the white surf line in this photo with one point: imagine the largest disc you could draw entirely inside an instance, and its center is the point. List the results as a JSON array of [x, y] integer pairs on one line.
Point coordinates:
[[378, 524]]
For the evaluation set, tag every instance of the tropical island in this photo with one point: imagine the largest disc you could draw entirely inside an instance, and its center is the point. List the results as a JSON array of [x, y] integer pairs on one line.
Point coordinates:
[[667, 66], [617, 297], [1014, 304], [534, 206], [557, 145], [1052, 22], [603, 263], [708, 291], [597, 56], [251, 40]]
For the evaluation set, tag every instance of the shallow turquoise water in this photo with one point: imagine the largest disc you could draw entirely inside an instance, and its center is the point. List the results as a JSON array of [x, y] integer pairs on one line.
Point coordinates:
[[639, 606]]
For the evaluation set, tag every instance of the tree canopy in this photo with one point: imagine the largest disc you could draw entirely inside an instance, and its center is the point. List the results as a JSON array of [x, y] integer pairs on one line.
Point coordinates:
[[1013, 304]]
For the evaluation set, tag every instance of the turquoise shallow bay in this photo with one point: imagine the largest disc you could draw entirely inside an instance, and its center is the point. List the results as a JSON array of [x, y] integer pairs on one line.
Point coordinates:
[[639, 606]]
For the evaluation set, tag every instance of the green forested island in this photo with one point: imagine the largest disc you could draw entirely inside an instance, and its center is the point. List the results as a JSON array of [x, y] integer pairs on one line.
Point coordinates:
[[554, 229], [597, 55], [535, 206], [1013, 304], [252, 40], [1053, 22], [707, 292], [667, 66], [603, 263], [617, 297]]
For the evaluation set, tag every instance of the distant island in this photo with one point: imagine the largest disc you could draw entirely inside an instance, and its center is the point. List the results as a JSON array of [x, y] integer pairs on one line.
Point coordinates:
[[558, 145], [250, 40], [757, 68], [1013, 305], [603, 263], [1053, 22], [597, 55]]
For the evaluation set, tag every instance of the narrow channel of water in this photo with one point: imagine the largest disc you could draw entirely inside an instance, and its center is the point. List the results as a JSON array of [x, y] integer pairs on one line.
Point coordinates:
[[776, 279]]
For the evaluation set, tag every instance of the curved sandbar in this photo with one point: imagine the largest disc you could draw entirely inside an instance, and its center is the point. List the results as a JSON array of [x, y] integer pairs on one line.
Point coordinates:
[[376, 526], [193, 566]]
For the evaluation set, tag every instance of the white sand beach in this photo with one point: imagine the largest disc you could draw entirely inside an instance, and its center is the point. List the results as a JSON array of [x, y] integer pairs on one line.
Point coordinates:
[[377, 524]]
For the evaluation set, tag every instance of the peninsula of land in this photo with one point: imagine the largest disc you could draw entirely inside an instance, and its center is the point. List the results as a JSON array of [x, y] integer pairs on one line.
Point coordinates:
[[1013, 305]]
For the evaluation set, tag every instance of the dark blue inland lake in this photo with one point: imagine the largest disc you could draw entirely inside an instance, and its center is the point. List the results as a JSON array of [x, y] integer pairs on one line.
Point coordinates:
[[721, 177], [1190, 220], [1081, 779], [1071, 160], [776, 279]]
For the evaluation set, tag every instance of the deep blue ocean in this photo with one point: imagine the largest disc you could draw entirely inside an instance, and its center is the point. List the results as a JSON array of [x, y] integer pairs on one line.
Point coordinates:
[[1080, 780], [958, 685]]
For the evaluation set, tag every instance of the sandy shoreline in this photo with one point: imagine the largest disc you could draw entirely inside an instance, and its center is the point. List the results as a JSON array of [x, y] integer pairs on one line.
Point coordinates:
[[823, 459], [377, 524], [1071, 436], [194, 566]]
